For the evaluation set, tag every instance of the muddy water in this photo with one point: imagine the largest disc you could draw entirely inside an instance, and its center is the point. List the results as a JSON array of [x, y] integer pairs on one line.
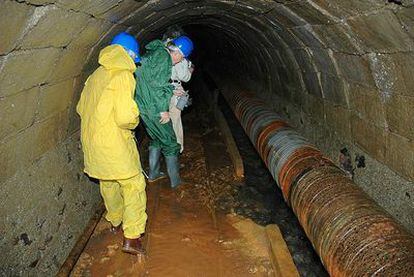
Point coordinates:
[[186, 234], [197, 230]]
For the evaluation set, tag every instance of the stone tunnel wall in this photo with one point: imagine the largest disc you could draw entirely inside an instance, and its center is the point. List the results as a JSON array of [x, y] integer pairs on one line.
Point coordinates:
[[340, 71], [46, 200], [342, 74]]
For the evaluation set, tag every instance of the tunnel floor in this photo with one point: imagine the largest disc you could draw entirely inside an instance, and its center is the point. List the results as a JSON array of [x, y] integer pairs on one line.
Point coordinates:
[[214, 224], [186, 234]]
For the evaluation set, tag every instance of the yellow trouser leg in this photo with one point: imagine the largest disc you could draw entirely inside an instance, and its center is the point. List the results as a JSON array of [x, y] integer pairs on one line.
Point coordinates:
[[135, 201], [111, 194]]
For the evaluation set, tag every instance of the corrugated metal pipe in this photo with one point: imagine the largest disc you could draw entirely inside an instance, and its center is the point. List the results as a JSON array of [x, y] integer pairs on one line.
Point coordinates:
[[352, 234]]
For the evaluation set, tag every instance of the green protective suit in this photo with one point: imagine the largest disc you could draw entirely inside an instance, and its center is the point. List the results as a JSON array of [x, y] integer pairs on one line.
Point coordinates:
[[153, 95]]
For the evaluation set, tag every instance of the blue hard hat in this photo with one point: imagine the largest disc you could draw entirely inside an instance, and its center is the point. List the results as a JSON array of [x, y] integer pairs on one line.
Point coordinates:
[[185, 45], [129, 42]]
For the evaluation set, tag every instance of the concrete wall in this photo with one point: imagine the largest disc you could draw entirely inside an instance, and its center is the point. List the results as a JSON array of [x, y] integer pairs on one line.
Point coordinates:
[[340, 70]]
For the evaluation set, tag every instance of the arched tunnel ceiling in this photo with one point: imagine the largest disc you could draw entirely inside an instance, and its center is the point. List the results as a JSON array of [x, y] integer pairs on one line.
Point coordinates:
[[346, 63], [340, 71]]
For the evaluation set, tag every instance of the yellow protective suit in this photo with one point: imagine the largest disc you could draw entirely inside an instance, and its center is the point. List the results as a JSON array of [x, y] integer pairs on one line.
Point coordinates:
[[108, 115]]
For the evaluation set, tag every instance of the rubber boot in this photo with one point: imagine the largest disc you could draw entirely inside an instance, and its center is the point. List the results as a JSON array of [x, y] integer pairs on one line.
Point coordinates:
[[133, 246], [154, 165], [173, 168]]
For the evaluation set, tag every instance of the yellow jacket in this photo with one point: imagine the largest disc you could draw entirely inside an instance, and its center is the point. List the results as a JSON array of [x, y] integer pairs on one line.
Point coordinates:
[[108, 115]]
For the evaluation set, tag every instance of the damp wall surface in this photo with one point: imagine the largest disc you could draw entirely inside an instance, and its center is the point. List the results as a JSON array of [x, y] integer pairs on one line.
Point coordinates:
[[340, 71]]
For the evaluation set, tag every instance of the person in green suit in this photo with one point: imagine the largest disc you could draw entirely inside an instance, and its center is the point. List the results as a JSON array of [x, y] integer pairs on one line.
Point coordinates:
[[153, 95]]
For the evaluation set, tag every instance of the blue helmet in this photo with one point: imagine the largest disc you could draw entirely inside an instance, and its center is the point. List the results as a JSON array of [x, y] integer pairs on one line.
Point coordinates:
[[185, 45], [129, 43]]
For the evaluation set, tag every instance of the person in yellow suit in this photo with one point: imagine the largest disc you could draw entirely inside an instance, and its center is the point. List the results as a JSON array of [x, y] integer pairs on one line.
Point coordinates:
[[108, 115]]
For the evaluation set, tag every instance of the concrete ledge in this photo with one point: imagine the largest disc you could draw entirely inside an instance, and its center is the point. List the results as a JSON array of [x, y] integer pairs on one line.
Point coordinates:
[[281, 259], [231, 144]]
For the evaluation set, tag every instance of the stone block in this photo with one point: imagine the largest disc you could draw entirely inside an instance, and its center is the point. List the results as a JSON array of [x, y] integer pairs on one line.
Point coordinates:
[[69, 64], [17, 111], [40, 2], [121, 10], [74, 119], [338, 37], [314, 107], [322, 60], [43, 136], [292, 76], [93, 7], [288, 59], [22, 149], [254, 7], [309, 13], [53, 27], [91, 34], [312, 83], [381, 32], [343, 9], [13, 19], [75, 5], [334, 89], [404, 71], [287, 37], [387, 76], [400, 155], [307, 36], [297, 95], [366, 103], [54, 99], [21, 70], [369, 137], [400, 115], [142, 12], [304, 61], [354, 68], [285, 17], [338, 120], [406, 17], [10, 158]]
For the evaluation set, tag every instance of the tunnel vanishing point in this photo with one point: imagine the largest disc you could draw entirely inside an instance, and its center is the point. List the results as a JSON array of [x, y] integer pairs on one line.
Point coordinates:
[[340, 72]]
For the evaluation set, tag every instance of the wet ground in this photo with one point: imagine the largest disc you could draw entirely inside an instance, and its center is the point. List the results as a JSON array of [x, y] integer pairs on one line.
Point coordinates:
[[210, 226], [186, 233]]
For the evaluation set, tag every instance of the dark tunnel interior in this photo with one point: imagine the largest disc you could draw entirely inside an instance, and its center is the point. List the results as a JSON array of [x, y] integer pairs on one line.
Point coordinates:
[[339, 72]]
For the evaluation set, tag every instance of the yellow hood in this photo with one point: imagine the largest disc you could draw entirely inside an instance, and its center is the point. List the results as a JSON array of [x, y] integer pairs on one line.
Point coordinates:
[[115, 57]]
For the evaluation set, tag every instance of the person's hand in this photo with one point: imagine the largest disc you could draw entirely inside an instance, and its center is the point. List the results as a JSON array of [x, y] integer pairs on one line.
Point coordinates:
[[178, 92], [165, 117], [191, 69]]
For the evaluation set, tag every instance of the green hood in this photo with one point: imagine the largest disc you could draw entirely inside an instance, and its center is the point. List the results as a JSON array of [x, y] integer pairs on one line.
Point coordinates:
[[153, 91], [155, 45]]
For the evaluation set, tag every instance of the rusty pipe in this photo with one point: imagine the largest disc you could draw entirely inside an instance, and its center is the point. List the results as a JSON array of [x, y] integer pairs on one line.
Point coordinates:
[[352, 235]]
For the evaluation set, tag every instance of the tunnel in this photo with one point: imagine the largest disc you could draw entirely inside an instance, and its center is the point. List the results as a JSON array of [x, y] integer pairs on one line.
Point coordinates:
[[340, 72]]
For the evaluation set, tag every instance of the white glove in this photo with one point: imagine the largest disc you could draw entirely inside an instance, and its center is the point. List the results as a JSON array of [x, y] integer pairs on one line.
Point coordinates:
[[165, 117]]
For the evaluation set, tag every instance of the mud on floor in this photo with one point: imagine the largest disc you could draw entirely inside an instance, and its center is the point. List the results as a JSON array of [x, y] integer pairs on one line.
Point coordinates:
[[187, 235]]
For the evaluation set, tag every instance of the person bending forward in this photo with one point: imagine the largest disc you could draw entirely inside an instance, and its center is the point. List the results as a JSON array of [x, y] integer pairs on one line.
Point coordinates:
[[153, 94]]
